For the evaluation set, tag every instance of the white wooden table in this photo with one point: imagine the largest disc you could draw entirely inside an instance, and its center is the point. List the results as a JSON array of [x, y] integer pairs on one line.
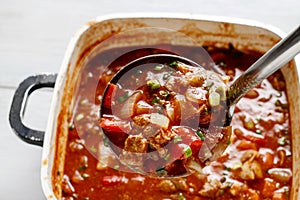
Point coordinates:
[[33, 38]]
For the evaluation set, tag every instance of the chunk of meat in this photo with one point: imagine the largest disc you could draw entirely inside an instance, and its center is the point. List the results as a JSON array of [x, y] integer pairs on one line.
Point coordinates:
[[136, 143]]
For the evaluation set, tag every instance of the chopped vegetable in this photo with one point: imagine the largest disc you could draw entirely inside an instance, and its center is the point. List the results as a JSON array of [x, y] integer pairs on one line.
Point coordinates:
[[124, 97], [160, 120], [127, 109], [153, 84], [155, 100], [187, 152], [214, 99], [177, 139], [85, 175], [200, 134], [158, 67], [174, 64], [79, 117], [93, 149]]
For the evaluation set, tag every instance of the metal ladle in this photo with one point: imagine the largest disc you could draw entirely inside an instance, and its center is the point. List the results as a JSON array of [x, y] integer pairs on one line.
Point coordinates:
[[270, 62]]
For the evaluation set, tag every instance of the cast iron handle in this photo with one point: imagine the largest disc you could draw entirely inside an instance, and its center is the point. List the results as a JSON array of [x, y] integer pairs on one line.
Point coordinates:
[[18, 106]]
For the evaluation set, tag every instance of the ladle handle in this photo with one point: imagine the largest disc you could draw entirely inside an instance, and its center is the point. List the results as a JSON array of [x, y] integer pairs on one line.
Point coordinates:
[[270, 62]]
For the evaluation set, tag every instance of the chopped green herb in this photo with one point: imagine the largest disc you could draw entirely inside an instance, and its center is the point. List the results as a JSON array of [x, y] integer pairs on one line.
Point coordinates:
[[287, 191], [86, 198], [153, 84], [164, 93], [79, 117], [222, 64], [281, 141], [177, 139], [221, 192], [123, 97], [93, 149], [209, 85], [155, 100], [158, 67], [258, 119], [180, 196], [167, 75], [139, 71], [82, 167], [116, 167], [71, 127], [167, 156], [85, 175], [200, 134], [229, 142], [84, 101], [187, 152], [161, 171], [105, 142], [174, 64], [227, 168], [259, 132]]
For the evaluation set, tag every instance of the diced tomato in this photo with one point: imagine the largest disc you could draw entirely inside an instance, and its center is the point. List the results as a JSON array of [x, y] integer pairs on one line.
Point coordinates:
[[109, 95], [115, 125], [111, 180], [268, 188], [116, 130], [196, 146]]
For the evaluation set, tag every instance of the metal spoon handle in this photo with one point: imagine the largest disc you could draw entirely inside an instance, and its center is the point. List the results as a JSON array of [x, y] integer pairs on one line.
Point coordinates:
[[270, 62]]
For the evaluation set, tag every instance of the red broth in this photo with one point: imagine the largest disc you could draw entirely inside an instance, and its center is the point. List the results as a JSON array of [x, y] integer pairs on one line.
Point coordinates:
[[256, 165]]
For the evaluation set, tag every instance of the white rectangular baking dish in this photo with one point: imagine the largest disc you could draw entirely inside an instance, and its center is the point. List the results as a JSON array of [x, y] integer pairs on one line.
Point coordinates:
[[204, 30]]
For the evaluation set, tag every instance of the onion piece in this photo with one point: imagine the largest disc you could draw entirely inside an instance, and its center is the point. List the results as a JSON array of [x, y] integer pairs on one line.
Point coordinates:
[[196, 95], [194, 166], [128, 107], [160, 120], [214, 99], [170, 111]]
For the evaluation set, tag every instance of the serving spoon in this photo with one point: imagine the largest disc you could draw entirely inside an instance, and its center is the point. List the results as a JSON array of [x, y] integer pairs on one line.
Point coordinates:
[[270, 62]]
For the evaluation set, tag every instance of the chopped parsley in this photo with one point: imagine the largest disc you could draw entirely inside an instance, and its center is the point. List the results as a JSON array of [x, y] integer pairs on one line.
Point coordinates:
[[200, 134], [153, 84], [116, 167], [177, 139], [93, 149], [166, 158], [155, 101], [158, 67], [161, 171], [123, 97], [187, 152], [174, 64]]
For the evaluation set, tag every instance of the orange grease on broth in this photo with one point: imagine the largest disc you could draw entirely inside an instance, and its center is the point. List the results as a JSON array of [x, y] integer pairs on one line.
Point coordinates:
[[256, 140]]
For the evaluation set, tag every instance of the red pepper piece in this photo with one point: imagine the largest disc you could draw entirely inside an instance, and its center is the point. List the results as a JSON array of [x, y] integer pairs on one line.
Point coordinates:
[[111, 90]]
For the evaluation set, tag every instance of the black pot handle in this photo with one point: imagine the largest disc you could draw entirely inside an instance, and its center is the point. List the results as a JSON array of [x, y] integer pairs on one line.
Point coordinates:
[[18, 105]]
